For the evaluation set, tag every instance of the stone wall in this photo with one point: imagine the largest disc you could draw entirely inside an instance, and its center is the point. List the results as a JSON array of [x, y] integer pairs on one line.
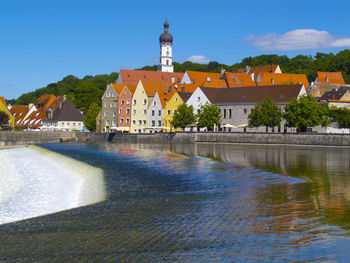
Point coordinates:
[[25, 138]]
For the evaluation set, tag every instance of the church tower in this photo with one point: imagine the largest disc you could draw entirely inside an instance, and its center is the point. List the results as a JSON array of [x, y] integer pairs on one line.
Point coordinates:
[[166, 50]]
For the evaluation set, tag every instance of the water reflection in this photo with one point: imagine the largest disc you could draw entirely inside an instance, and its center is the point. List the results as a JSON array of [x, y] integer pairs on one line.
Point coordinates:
[[200, 202]]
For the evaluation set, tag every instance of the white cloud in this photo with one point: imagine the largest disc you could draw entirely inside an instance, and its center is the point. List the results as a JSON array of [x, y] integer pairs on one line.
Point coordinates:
[[299, 39], [6, 84], [198, 59]]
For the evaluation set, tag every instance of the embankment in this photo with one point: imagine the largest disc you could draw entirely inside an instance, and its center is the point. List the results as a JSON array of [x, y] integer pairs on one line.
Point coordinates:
[[26, 138]]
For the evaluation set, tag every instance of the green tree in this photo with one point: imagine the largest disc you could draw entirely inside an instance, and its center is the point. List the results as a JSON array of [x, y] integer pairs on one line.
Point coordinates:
[[209, 116], [4, 119], [341, 116], [183, 117], [305, 112], [266, 113], [90, 117], [85, 94]]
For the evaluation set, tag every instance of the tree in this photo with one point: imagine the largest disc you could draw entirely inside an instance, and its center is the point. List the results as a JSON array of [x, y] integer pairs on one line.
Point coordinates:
[[209, 116], [90, 117], [266, 113], [4, 119], [306, 112], [85, 94], [183, 117], [341, 116]]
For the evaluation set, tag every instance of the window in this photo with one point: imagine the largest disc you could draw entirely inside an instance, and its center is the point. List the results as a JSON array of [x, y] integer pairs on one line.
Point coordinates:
[[120, 110], [127, 120], [62, 124], [128, 102], [224, 113], [154, 103], [159, 113], [79, 124], [134, 102], [175, 111], [159, 123], [169, 112], [107, 122], [114, 123], [175, 99], [170, 88], [230, 113], [152, 112], [121, 120], [127, 111], [111, 105], [198, 98], [134, 112], [144, 101], [105, 114], [115, 105], [122, 101], [140, 122], [144, 122], [198, 111], [245, 111], [106, 104], [114, 114], [153, 123], [133, 122]]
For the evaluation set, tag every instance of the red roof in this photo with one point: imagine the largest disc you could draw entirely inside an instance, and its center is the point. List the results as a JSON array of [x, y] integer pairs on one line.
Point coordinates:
[[330, 77], [199, 78], [238, 79], [132, 77], [281, 79]]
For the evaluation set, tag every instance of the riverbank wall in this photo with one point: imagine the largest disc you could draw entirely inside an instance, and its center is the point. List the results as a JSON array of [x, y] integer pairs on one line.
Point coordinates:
[[26, 138]]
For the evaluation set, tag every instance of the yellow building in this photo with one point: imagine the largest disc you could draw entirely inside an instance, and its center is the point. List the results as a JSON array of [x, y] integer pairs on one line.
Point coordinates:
[[3, 108], [171, 107]]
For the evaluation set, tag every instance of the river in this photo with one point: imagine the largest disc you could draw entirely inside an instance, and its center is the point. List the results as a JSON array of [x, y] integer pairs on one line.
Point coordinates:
[[86, 202]]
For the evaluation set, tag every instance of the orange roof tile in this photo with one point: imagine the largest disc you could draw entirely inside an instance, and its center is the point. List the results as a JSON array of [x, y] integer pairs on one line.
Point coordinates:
[[2, 99], [215, 83], [133, 76], [199, 78], [330, 77], [118, 87], [44, 101], [256, 70], [19, 112], [281, 79], [238, 79]]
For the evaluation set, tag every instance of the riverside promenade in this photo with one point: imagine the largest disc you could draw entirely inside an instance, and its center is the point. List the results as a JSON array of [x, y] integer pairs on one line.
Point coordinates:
[[26, 138]]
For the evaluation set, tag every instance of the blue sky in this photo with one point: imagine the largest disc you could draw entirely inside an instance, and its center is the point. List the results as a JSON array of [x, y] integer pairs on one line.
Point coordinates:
[[43, 41]]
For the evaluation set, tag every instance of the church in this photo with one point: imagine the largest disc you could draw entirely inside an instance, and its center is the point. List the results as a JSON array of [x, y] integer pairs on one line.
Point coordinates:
[[166, 53]]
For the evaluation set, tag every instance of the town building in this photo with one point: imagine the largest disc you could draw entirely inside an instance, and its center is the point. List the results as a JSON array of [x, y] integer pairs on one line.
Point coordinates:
[[155, 112], [4, 108], [166, 50], [63, 117], [124, 108]]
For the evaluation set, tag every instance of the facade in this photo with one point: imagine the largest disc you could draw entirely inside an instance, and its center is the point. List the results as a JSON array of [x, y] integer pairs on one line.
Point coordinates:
[[139, 106], [124, 108], [155, 113], [109, 108], [166, 50], [64, 117], [4, 108]]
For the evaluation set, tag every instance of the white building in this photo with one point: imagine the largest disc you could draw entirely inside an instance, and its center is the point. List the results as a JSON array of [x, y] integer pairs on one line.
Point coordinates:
[[166, 53]]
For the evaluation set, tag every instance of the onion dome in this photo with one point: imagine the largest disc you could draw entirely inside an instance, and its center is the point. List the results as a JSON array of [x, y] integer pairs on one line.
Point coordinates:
[[166, 37]]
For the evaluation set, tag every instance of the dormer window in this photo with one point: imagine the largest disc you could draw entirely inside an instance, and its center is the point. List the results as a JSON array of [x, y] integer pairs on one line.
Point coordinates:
[[327, 79], [273, 81]]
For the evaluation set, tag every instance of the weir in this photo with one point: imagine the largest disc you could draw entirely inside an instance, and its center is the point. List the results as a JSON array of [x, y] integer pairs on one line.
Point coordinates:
[[35, 182]]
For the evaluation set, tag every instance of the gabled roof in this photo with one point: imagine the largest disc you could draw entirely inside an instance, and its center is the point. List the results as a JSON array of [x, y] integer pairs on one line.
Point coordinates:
[[266, 79], [44, 101], [335, 94], [278, 93], [256, 70], [2, 99], [238, 79], [66, 112], [330, 77], [118, 87], [215, 83], [132, 77], [184, 96], [199, 78]]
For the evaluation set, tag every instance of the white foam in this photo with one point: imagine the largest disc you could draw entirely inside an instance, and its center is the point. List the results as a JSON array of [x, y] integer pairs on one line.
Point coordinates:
[[35, 181]]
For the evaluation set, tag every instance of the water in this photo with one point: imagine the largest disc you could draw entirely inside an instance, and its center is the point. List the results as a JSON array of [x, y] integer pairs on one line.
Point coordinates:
[[187, 203]]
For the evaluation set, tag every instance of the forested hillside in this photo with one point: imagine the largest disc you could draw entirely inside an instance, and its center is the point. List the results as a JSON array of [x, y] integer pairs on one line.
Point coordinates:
[[81, 92]]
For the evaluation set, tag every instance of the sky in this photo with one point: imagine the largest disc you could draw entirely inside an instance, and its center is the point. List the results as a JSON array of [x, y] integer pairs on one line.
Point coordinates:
[[42, 41]]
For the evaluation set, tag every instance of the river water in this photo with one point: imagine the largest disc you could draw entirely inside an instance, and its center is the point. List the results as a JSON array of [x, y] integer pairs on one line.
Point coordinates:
[[167, 203]]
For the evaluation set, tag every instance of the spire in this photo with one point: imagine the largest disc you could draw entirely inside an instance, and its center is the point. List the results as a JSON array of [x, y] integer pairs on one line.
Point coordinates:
[[166, 25]]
